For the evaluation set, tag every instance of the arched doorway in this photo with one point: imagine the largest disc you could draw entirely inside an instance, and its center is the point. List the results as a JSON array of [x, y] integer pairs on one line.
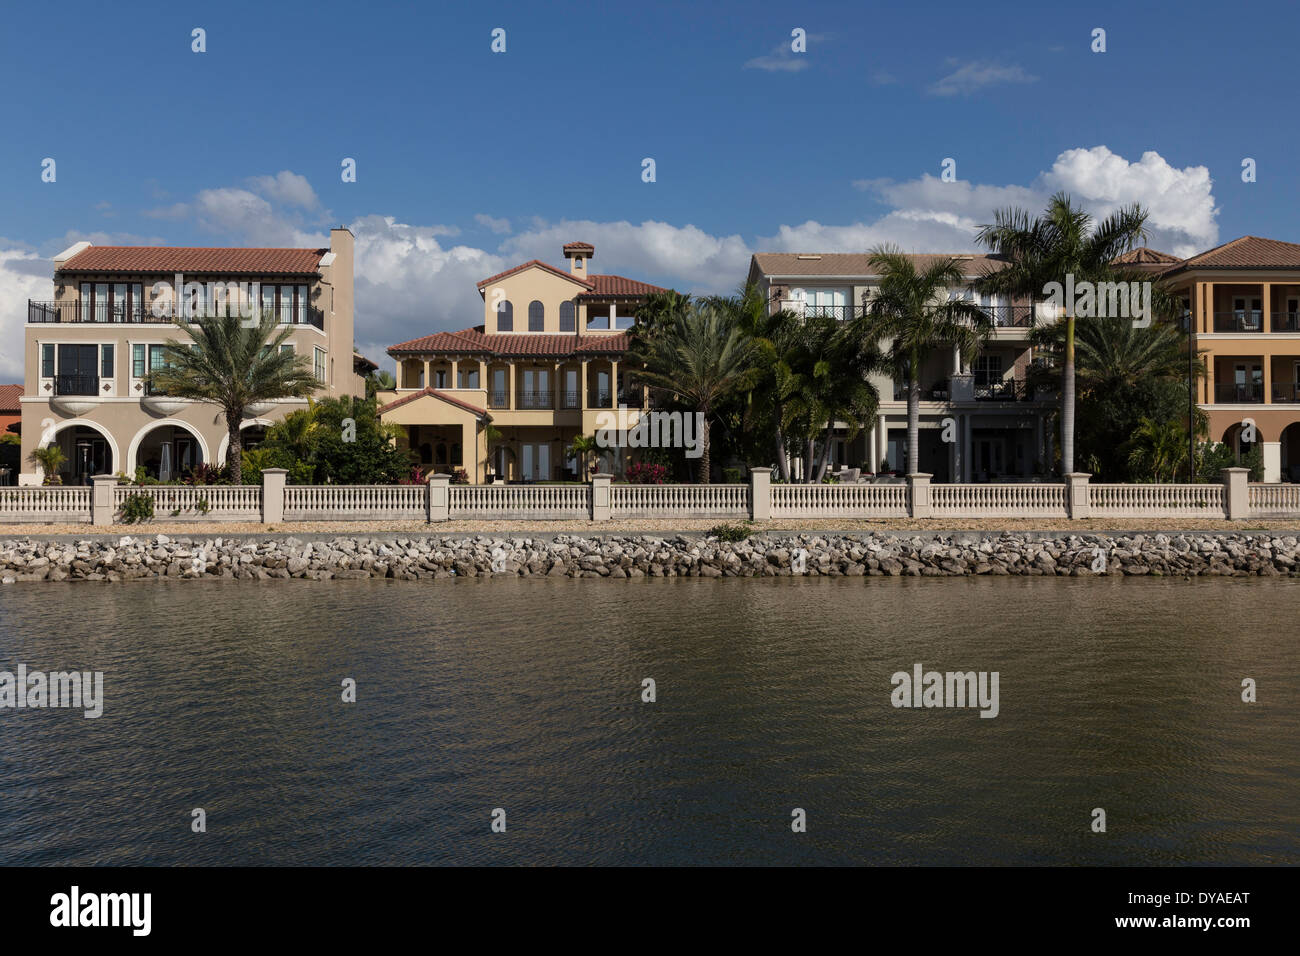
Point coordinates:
[[1291, 453], [168, 450], [251, 434], [87, 450]]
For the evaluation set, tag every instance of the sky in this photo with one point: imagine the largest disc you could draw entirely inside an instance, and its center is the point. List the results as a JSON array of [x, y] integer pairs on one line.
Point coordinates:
[[469, 161]]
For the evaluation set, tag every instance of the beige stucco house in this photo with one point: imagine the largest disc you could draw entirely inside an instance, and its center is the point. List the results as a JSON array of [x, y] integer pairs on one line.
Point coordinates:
[[542, 367], [89, 348]]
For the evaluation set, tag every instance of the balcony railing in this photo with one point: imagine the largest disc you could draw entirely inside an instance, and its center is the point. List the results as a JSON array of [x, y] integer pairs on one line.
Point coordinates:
[[1240, 320], [1238, 393], [598, 399], [99, 312], [1003, 390], [1287, 393], [1000, 316], [498, 399], [1286, 322], [1010, 316], [530, 400], [570, 399], [76, 384]]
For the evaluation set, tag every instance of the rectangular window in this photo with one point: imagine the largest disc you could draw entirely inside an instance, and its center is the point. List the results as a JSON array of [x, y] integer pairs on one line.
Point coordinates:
[[101, 301], [320, 365], [286, 348], [47, 361], [469, 378], [268, 300], [137, 361], [106, 361], [286, 305], [300, 307]]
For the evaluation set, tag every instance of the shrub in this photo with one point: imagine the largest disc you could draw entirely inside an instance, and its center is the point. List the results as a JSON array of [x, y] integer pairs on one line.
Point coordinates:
[[138, 507], [646, 473], [460, 477], [733, 476], [205, 474], [730, 532]]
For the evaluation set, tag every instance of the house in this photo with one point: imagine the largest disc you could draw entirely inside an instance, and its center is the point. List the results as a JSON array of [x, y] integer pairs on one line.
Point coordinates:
[[1243, 298], [10, 408], [540, 369], [979, 421], [88, 349]]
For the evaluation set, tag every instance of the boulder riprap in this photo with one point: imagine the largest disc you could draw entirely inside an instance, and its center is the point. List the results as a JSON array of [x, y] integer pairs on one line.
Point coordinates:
[[958, 554]]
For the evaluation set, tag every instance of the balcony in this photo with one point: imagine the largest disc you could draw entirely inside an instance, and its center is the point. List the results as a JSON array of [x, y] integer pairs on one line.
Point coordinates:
[[1243, 321], [72, 312], [1286, 322], [535, 400], [1003, 390], [1010, 316], [1287, 393], [76, 384], [597, 399], [569, 399], [1237, 393], [498, 399]]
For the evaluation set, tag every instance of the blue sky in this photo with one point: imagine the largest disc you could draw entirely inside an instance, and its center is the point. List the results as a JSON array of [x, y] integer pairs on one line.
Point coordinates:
[[469, 161]]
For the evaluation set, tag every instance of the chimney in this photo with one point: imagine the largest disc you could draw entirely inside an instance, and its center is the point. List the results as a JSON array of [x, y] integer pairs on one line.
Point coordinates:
[[578, 253]]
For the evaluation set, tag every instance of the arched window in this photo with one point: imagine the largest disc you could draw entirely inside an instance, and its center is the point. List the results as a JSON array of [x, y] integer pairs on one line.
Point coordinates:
[[536, 316], [568, 317], [505, 316]]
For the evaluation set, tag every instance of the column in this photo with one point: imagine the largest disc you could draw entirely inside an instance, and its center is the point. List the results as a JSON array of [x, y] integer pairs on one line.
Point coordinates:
[[510, 377], [918, 489], [967, 452], [426, 380], [613, 384], [600, 497], [582, 387], [1076, 494], [102, 505], [1267, 324], [760, 494], [882, 439], [1236, 492], [273, 495], [453, 381], [439, 497]]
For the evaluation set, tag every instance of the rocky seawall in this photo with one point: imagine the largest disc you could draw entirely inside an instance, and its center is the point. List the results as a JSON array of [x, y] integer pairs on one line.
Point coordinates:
[[634, 556]]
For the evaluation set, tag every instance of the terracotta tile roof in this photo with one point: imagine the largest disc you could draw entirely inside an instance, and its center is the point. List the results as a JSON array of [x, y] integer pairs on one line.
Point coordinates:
[[515, 345], [578, 247], [858, 264], [1146, 256], [406, 399], [9, 395], [167, 259], [528, 265], [605, 286], [1248, 252]]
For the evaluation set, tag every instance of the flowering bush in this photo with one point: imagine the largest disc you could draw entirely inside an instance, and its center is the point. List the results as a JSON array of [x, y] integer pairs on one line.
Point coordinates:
[[460, 477], [646, 473], [416, 477]]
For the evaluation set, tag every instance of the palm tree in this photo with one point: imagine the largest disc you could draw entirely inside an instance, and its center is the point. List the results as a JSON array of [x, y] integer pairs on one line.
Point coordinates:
[[50, 460], [1060, 242], [822, 379], [231, 365], [700, 357], [585, 448], [913, 312], [1156, 448], [771, 334]]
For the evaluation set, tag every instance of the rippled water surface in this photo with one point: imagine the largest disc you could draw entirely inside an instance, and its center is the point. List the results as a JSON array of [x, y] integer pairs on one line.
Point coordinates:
[[772, 694]]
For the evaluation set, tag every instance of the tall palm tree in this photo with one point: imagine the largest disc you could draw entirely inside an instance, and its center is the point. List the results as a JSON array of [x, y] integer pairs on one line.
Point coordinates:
[[585, 448], [700, 357], [1060, 242], [913, 312], [822, 379], [232, 365], [771, 334]]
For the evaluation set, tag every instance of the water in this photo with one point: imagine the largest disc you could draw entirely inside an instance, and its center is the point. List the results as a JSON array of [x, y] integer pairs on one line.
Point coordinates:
[[772, 694]]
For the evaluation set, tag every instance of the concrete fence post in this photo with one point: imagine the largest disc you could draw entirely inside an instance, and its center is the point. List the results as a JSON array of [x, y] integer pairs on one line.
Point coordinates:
[[439, 498], [273, 495], [1076, 494], [600, 497], [918, 495], [1236, 493], [760, 494], [102, 505]]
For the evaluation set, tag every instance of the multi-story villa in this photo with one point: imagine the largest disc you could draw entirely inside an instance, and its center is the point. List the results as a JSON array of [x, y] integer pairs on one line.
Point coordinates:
[[88, 349], [540, 370], [1244, 302], [979, 421]]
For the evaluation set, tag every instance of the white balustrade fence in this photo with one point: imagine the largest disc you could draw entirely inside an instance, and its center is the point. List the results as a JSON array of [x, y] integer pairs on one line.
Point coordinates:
[[520, 501], [1035, 500], [840, 501], [49, 505], [1156, 501], [437, 501], [355, 502], [196, 502], [1275, 500], [679, 501]]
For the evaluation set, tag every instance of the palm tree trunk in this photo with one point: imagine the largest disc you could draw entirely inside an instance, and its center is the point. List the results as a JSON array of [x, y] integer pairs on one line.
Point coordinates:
[[825, 455], [808, 461], [782, 459], [706, 462], [914, 420], [235, 450], [1067, 401]]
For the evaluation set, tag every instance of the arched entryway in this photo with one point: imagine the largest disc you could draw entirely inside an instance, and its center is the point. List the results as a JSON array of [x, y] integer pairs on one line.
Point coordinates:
[[251, 434], [167, 450], [88, 450], [1291, 452]]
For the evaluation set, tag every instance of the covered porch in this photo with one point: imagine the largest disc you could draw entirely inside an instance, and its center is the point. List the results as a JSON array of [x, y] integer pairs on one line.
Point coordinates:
[[442, 432]]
